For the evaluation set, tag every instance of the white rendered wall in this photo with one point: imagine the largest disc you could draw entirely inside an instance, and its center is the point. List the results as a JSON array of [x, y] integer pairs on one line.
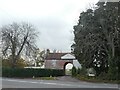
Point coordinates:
[[76, 64]]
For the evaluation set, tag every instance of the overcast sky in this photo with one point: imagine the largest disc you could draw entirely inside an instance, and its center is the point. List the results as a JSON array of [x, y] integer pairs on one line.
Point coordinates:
[[54, 19]]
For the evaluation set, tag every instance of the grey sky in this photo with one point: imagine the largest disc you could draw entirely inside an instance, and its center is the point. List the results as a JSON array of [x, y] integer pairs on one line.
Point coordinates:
[[54, 19]]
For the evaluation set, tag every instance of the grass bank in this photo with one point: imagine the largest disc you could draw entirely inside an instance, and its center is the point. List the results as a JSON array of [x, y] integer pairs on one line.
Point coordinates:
[[96, 79]]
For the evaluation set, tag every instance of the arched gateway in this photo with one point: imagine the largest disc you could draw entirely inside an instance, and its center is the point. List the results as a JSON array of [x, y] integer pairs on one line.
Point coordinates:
[[59, 60]]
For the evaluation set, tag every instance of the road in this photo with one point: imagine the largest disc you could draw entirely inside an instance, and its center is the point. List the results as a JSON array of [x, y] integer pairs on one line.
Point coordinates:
[[30, 83]]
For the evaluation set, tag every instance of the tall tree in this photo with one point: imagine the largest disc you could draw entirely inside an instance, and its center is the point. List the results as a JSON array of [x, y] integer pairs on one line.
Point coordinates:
[[97, 37], [109, 19], [18, 39]]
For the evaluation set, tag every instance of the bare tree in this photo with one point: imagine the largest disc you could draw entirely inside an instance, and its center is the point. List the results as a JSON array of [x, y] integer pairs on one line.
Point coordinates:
[[18, 39]]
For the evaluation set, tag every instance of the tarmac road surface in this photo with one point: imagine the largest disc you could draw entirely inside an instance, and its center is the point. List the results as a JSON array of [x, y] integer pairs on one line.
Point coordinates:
[[32, 83]]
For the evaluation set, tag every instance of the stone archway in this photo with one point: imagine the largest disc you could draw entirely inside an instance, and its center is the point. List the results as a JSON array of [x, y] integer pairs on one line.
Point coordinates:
[[67, 71]]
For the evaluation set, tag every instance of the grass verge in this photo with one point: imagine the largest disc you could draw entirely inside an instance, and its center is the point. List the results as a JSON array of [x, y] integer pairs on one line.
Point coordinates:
[[45, 78], [96, 79]]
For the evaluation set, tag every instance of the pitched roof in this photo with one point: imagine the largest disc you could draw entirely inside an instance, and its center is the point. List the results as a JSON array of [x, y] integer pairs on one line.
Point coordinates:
[[56, 56]]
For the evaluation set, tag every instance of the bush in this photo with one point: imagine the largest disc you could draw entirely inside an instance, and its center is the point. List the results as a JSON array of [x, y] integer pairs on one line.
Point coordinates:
[[103, 76], [113, 72], [19, 64], [78, 71], [83, 71], [74, 71], [30, 72]]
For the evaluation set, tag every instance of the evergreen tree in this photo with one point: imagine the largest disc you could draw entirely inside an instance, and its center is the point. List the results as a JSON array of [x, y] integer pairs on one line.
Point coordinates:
[[97, 38]]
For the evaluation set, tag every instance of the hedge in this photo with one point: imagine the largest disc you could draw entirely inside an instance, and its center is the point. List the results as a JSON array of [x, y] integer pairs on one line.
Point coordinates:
[[30, 72]]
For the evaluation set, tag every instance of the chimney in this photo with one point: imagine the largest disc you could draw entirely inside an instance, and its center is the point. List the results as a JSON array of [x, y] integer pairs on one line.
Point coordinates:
[[48, 51]]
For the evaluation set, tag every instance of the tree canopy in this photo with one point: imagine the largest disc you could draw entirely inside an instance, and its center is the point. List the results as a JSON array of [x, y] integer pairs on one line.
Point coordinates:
[[97, 37], [18, 39]]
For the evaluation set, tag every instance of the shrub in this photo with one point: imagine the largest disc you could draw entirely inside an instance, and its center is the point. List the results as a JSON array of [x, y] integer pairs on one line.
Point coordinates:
[[78, 71], [83, 71], [74, 71], [19, 64], [113, 72]]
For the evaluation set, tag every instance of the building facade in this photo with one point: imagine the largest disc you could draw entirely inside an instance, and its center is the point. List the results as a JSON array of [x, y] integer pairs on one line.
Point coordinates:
[[59, 60]]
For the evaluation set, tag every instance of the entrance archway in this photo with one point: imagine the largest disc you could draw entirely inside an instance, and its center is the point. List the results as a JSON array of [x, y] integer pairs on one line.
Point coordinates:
[[68, 68]]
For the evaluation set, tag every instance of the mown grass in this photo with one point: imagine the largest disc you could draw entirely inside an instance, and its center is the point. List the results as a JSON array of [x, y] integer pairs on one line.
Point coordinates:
[[45, 78]]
